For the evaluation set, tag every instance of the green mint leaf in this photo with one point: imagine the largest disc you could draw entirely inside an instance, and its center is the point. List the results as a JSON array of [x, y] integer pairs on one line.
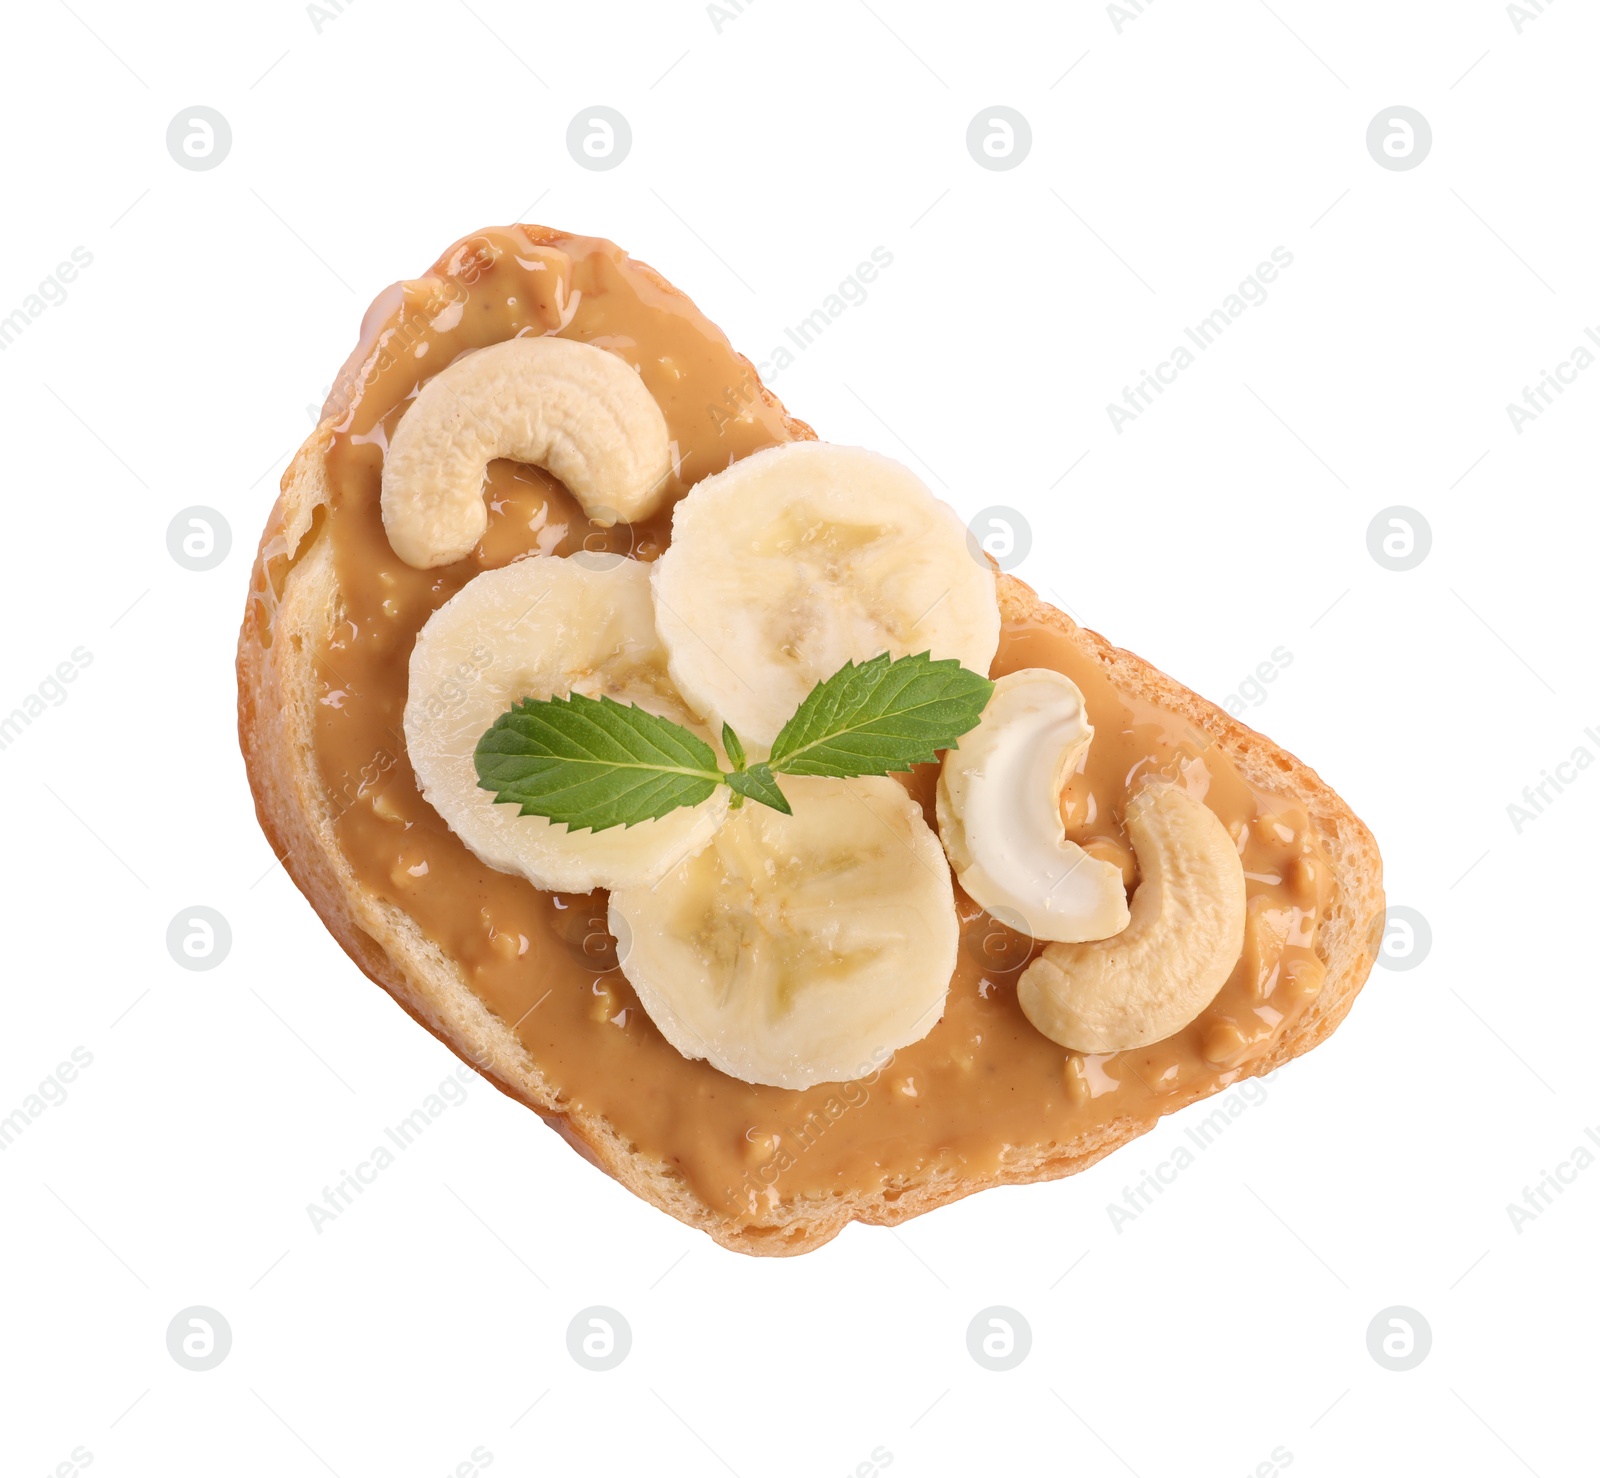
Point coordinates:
[[730, 742], [880, 717], [593, 764], [757, 782]]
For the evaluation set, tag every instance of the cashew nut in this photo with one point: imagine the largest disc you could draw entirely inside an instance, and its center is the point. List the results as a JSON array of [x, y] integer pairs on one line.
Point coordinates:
[[582, 413], [1184, 936], [1000, 813]]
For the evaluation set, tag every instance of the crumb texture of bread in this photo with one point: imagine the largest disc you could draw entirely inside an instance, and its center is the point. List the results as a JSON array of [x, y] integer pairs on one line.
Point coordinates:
[[294, 591]]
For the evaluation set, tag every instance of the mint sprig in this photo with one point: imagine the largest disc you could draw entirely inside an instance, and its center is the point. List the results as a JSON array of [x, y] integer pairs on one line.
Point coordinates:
[[593, 764]]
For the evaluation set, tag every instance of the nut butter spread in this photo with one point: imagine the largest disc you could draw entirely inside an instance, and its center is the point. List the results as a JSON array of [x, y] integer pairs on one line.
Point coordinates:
[[983, 1082]]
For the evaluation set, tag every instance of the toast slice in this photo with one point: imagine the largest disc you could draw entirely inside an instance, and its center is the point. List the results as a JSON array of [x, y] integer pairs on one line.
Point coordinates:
[[295, 591]]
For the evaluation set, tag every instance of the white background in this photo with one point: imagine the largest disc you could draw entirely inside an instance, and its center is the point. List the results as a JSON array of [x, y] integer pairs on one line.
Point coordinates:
[[771, 152]]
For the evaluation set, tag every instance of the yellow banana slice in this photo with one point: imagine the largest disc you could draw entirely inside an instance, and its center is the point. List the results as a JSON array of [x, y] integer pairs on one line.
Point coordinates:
[[536, 629], [798, 949], [804, 557]]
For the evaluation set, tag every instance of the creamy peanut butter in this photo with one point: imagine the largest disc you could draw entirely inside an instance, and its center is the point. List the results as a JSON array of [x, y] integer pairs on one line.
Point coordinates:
[[983, 1081]]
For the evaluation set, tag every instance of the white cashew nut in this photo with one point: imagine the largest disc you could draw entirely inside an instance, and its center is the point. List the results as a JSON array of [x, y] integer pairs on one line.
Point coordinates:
[[1184, 936], [580, 412], [1000, 815]]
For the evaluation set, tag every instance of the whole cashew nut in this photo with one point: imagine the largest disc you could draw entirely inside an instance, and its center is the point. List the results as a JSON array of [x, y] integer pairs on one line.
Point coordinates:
[[582, 413], [1000, 819], [1184, 936]]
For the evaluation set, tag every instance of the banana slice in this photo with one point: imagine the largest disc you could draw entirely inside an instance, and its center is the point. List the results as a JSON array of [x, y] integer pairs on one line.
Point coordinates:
[[1000, 813], [804, 557], [534, 629], [1184, 936], [798, 949]]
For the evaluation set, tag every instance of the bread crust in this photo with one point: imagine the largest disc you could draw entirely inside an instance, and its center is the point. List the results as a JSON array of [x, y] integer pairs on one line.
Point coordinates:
[[294, 588]]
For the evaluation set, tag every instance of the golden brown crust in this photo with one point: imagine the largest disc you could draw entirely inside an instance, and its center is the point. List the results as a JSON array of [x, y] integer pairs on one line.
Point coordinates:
[[293, 591]]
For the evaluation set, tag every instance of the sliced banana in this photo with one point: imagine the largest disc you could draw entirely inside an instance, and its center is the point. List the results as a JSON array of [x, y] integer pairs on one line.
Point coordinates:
[[798, 949], [579, 411], [1184, 936], [999, 806], [801, 558], [535, 629]]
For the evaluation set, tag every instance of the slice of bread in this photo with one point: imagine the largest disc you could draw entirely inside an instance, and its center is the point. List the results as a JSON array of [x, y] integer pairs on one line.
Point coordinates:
[[293, 593]]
